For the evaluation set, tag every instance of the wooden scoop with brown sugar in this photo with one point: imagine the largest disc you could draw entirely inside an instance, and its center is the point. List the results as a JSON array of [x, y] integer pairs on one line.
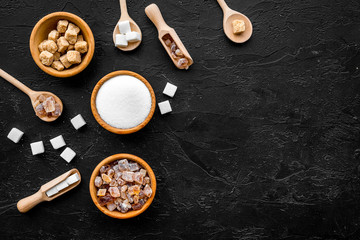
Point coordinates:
[[35, 96]]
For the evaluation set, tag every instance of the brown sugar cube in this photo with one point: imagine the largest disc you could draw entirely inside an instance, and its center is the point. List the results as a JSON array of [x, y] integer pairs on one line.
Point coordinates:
[[73, 57], [63, 44], [46, 58], [57, 65], [74, 27], [56, 56], [71, 36], [64, 61], [42, 46], [238, 26], [62, 25], [71, 47], [81, 46], [80, 38], [50, 46], [54, 35]]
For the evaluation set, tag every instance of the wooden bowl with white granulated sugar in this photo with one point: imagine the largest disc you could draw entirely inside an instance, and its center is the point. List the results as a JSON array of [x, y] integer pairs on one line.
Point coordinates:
[[123, 102]]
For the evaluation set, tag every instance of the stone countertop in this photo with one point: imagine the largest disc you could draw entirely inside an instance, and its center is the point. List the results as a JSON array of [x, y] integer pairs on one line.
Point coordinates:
[[262, 142]]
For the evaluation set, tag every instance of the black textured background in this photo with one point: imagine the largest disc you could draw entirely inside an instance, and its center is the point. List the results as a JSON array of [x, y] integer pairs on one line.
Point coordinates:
[[261, 143]]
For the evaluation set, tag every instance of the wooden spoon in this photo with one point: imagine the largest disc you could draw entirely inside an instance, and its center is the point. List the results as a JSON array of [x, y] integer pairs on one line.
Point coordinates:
[[231, 15], [29, 202], [32, 94], [134, 27], [154, 14]]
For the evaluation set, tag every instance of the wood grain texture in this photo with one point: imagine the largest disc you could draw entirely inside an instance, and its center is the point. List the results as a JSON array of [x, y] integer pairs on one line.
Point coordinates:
[[263, 141]]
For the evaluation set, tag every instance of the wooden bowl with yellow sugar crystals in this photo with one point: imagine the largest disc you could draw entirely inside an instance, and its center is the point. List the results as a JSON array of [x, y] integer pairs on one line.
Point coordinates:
[[62, 44]]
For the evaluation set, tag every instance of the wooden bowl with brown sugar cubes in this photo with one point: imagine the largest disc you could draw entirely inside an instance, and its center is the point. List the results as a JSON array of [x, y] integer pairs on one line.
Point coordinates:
[[62, 44]]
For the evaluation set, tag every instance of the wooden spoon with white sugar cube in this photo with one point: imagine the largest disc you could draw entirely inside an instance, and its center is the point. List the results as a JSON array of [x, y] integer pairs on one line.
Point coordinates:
[[135, 40], [53, 108], [229, 17]]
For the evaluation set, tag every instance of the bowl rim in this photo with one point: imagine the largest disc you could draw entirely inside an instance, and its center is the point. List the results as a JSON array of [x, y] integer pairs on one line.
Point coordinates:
[[106, 125], [71, 71], [117, 214]]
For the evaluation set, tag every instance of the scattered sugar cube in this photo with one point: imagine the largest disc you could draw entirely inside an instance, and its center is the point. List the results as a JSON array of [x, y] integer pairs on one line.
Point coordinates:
[[133, 37], [165, 107], [52, 192], [15, 135], [78, 121], [37, 147], [124, 27], [68, 154], [57, 142], [62, 186], [120, 40], [73, 178], [170, 89]]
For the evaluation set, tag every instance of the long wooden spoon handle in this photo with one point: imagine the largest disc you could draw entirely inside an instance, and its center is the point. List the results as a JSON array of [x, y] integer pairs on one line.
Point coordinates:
[[154, 14], [15, 82], [223, 5], [29, 202], [123, 8]]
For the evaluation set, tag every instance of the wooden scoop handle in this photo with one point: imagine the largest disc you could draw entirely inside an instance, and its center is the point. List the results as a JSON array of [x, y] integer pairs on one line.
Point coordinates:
[[123, 9], [29, 202], [15, 82], [154, 14]]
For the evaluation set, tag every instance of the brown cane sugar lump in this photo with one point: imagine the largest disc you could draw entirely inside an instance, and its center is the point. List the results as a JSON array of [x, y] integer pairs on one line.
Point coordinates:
[[42, 46], [71, 47], [63, 44], [73, 57], [62, 26], [238, 26], [81, 46], [46, 58], [54, 35], [50, 46], [64, 61], [80, 38], [56, 56], [74, 27], [71, 36], [57, 65]]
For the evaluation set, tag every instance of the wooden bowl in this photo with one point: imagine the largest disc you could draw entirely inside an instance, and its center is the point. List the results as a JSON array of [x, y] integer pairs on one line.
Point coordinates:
[[115, 213], [41, 31], [111, 128]]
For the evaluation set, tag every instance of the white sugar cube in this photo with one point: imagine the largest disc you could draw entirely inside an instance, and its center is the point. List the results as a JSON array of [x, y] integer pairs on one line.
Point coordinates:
[[165, 107], [68, 154], [170, 89], [52, 192], [73, 179], [15, 135], [120, 40], [37, 147], [57, 142], [124, 27], [62, 185], [133, 37], [78, 121]]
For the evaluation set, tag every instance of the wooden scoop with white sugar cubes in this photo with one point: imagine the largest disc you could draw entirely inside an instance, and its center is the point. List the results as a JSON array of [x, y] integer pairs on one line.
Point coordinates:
[[51, 190], [169, 39]]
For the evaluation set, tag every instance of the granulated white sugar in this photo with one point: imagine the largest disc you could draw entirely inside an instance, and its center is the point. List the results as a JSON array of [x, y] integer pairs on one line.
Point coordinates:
[[123, 102]]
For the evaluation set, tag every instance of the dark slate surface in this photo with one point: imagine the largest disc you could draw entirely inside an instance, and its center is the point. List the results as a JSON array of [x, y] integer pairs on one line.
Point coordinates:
[[261, 143]]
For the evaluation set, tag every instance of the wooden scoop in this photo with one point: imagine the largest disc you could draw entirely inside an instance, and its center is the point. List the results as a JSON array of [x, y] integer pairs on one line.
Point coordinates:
[[29, 202], [154, 14], [32, 94], [231, 15], [134, 27]]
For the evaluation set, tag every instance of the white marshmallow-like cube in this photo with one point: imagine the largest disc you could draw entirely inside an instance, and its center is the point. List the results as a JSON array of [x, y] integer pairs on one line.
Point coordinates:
[[120, 40], [15, 135], [37, 147], [52, 192], [62, 186], [165, 107], [133, 37], [57, 142], [170, 89], [124, 27], [73, 178], [68, 154], [78, 121]]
